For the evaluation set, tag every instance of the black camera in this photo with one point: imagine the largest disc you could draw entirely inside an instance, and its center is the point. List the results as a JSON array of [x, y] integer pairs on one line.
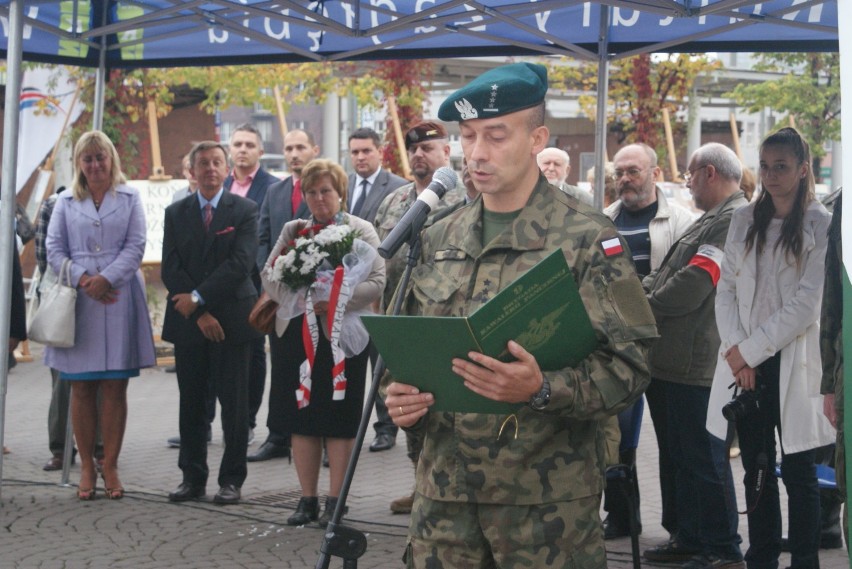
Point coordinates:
[[743, 404]]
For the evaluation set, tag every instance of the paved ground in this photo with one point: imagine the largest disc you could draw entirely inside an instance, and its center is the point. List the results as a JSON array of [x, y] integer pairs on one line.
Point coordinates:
[[43, 525]]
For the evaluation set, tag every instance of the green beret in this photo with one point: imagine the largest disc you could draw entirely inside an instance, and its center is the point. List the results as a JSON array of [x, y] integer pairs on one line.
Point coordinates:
[[497, 92]]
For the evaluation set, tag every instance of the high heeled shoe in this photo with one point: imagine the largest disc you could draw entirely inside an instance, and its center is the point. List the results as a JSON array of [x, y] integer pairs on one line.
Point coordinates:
[[306, 511], [116, 493], [85, 494]]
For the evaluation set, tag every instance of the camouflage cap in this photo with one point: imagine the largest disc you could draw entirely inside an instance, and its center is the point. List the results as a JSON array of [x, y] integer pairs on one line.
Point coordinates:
[[497, 92], [422, 131]]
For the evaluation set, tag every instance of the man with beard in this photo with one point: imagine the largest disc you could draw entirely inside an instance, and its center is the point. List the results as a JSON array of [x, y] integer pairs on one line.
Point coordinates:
[[283, 203], [428, 149], [650, 225]]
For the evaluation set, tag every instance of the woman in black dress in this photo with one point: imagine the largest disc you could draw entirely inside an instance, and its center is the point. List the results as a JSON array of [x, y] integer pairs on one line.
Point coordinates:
[[323, 187]]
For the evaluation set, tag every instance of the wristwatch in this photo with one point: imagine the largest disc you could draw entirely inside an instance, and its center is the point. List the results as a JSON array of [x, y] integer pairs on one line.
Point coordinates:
[[540, 400], [195, 298]]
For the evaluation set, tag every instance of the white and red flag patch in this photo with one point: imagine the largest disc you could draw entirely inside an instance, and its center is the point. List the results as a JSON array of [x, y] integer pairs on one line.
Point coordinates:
[[612, 246], [709, 258]]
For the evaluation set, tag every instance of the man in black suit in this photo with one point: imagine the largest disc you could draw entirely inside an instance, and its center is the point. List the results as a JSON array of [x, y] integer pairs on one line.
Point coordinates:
[[370, 184], [249, 180], [283, 203], [368, 187], [209, 251]]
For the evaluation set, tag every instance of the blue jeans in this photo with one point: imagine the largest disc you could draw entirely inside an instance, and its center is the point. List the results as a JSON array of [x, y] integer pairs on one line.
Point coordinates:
[[757, 435], [705, 496]]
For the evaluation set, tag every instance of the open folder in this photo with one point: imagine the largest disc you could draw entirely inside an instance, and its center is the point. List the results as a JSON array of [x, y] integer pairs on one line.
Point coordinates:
[[541, 310]]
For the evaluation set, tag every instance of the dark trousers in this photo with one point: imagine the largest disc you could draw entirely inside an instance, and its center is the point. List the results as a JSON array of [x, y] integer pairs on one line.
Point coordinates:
[[757, 436], [257, 378], [278, 431], [226, 367], [655, 395], [706, 499]]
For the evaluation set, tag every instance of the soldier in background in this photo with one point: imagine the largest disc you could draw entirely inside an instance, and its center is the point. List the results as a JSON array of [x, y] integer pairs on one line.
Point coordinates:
[[528, 496]]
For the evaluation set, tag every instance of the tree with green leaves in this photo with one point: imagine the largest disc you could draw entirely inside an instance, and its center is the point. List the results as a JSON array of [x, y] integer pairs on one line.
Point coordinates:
[[807, 90]]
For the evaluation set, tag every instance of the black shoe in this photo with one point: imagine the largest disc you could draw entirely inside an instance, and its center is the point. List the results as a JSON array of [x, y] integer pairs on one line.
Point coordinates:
[[307, 511], [383, 441], [174, 442], [269, 451], [670, 552], [328, 511], [227, 494], [55, 461], [186, 492], [614, 530]]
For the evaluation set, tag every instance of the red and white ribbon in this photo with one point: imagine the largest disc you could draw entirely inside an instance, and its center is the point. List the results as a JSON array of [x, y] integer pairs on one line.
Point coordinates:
[[340, 293]]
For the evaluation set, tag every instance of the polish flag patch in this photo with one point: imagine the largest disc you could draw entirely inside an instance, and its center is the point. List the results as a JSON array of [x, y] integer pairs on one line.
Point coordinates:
[[709, 258], [612, 247]]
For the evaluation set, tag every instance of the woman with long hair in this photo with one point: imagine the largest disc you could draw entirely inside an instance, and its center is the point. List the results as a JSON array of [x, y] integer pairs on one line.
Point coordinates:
[[99, 228], [767, 310]]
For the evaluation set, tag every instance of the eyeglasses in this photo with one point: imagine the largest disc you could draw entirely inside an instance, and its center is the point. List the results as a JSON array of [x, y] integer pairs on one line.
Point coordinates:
[[631, 173], [690, 174]]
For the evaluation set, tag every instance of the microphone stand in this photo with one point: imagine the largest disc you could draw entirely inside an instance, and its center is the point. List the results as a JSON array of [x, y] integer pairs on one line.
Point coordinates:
[[339, 540]]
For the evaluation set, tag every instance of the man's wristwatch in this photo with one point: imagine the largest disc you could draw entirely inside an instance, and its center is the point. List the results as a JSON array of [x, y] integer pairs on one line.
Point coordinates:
[[195, 298], [540, 400]]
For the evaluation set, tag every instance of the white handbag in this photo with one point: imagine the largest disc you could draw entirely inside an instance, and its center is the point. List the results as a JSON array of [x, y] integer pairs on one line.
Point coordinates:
[[53, 323]]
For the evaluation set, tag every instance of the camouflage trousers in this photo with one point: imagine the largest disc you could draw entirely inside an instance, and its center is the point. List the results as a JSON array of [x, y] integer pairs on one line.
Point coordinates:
[[461, 535]]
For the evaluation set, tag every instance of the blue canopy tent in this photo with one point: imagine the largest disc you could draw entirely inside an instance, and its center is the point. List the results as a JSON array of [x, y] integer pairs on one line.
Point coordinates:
[[107, 34]]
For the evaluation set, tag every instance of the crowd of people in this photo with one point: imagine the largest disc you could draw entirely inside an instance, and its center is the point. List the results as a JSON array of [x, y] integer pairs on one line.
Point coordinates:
[[714, 322]]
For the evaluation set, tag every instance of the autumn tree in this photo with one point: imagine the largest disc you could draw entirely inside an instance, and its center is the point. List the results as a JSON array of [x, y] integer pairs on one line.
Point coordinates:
[[639, 89], [807, 90]]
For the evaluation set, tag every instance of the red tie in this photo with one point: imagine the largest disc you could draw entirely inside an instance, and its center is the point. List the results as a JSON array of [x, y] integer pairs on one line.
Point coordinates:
[[297, 196], [208, 216]]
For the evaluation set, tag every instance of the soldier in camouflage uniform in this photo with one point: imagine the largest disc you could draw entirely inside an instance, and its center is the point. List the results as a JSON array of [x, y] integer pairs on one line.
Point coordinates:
[[831, 348], [428, 149], [522, 490]]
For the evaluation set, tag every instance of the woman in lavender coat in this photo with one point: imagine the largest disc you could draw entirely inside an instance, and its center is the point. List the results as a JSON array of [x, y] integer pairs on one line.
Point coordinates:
[[100, 226]]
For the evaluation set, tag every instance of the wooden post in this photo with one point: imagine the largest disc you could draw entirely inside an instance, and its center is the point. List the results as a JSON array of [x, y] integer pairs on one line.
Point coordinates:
[[670, 144], [158, 173], [400, 142], [279, 105], [735, 134]]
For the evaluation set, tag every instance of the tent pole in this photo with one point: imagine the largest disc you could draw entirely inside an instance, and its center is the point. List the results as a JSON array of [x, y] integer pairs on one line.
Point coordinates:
[[100, 81], [7, 198], [600, 116]]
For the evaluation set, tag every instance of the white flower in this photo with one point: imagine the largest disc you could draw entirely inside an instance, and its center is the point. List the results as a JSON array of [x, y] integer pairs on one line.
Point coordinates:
[[332, 234]]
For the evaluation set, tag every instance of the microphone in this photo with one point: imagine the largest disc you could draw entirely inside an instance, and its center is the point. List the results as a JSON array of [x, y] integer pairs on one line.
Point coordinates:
[[412, 222]]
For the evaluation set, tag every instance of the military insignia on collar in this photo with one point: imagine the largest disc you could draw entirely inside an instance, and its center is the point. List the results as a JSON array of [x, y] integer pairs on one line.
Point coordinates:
[[466, 110], [612, 247]]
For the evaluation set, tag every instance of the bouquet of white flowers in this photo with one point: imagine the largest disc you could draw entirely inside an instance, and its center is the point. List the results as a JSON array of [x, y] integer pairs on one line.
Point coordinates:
[[324, 263]]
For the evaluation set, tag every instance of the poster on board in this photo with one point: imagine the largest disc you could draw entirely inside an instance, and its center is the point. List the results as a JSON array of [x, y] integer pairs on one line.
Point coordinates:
[[156, 197]]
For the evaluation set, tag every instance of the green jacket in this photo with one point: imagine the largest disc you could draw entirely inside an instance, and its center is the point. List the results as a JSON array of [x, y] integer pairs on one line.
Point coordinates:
[[682, 293], [557, 454]]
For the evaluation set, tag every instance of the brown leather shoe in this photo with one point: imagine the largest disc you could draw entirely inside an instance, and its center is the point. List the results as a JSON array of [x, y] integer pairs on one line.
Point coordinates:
[[402, 505], [53, 463]]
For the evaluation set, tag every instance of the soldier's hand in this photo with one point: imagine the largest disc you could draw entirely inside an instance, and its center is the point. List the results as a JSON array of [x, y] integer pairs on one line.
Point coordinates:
[[406, 405], [512, 382], [211, 328], [829, 410]]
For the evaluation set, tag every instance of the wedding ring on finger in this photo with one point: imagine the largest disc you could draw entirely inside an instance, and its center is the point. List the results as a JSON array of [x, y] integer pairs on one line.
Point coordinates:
[[401, 411]]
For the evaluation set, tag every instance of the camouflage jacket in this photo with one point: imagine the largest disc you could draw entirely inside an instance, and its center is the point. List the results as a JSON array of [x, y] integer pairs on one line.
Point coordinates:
[[388, 215], [557, 454], [831, 318], [682, 293]]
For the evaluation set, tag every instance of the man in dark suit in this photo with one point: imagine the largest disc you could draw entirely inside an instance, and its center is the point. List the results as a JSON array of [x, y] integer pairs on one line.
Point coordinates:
[[370, 184], [247, 179], [368, 187], [283, 203], [209, 251]]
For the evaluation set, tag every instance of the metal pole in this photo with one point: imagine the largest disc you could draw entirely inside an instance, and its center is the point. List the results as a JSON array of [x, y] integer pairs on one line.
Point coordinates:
[[7, 198], [600, 116], [100, 81]]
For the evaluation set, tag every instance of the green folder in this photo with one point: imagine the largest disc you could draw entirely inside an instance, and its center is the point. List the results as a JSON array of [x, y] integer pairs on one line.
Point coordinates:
[[541, 310]]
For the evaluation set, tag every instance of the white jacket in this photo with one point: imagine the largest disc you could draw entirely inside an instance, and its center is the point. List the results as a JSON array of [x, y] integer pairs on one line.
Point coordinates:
[[793, 329], [667, 226]]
